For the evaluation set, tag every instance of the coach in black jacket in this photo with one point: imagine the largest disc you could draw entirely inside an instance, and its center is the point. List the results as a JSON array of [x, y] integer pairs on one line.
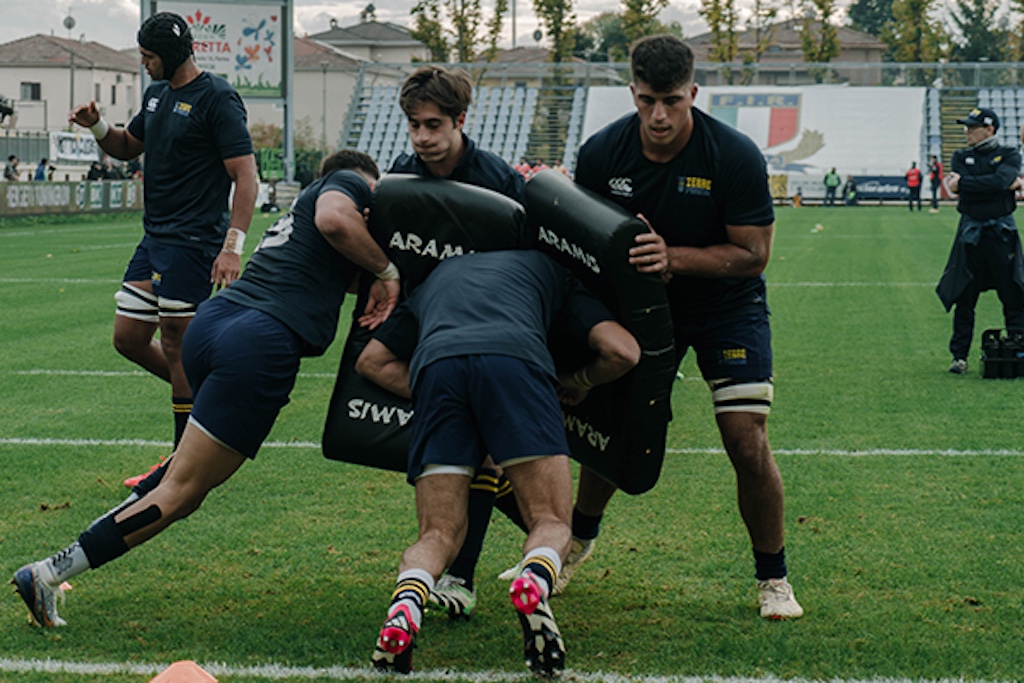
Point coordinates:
[[986, 253]]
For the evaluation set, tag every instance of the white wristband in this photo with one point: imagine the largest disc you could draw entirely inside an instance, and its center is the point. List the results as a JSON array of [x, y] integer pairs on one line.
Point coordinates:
[[100, 129], [234, 241], [389, 273]]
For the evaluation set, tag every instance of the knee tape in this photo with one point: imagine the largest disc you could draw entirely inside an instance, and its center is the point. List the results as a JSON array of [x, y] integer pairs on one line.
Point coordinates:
[[138, 304], [173, 308], [733, 396]]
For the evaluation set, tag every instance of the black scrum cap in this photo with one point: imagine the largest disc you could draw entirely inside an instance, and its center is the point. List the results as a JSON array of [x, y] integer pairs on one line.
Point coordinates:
[[167, 34]]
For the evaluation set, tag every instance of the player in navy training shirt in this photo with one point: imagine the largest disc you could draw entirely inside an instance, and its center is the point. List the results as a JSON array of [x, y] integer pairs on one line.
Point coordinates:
[[242, 355], [702, 187], [192, 127]]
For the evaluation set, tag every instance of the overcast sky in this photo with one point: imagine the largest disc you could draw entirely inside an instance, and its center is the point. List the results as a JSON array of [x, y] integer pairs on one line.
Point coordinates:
[[114, 22]]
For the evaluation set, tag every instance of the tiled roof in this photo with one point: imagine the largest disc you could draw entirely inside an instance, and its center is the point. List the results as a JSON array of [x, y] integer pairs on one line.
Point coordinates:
[[787, 38], [311, 55], [366, 33], [42, 50]]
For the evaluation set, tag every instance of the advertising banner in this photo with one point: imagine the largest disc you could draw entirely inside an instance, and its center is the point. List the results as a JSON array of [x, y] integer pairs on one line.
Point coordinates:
[[239, 41], [31, 199]]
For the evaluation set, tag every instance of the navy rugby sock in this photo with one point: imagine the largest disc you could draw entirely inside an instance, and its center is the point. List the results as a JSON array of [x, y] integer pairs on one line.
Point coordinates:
[[481, 501], [506, 502], [584, 526], [770, 565], [182, 406]]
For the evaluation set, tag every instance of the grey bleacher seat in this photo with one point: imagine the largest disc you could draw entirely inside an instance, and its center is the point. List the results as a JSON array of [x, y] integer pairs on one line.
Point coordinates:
[[983, 98]]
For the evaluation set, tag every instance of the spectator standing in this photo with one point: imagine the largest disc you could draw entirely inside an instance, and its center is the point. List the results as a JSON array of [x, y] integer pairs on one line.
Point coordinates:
[[189, 246], [832, 183], [41, 169], [913, 177], [935, 181], [986, 252], [850, 191], [11, 169]]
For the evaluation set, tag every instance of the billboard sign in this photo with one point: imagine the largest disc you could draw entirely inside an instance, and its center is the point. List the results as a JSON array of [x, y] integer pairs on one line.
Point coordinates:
[[241, 42]]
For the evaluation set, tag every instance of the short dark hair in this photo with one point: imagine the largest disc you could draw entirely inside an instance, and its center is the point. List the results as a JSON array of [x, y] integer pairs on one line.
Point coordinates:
[[349, 160], [662, 61], [451, 90]]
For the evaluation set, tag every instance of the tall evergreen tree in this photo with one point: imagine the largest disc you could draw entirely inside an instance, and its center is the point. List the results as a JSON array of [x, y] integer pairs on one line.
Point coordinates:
[[870, 16], [977, 32]]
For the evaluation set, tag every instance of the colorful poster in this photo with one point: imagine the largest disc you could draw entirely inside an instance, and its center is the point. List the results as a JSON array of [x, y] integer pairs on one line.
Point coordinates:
[[240, 42]]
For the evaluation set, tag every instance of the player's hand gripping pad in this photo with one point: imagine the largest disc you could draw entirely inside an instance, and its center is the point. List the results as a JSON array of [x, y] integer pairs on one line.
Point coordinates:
[[418, 222], [619, 430]]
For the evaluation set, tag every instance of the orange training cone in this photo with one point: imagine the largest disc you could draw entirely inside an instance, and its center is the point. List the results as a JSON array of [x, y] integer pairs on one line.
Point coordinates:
[[185, 671]]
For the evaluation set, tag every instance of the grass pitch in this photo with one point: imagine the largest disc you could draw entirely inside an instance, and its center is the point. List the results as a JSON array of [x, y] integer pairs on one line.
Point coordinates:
[[905, 492]]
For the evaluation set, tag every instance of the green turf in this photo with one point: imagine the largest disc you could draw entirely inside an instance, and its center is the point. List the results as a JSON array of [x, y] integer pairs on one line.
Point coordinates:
[[903, 517]]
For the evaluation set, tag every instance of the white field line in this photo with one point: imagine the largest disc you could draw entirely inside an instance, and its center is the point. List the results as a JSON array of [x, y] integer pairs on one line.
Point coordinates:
[[131, 373], [771, 284], [56, 280], [304, 445], [338, 673]]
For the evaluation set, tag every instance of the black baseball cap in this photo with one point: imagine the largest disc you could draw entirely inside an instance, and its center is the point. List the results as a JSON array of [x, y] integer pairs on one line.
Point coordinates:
[[980, 117]]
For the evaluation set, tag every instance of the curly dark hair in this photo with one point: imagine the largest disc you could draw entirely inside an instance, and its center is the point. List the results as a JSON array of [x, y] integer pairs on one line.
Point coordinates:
[[451, 90], [351, 160], [663, 62]]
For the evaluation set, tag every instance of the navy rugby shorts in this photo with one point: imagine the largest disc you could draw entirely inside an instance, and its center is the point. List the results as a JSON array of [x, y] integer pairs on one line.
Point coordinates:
[[242, 365], [177, 272], [469, 406], [735, 343]]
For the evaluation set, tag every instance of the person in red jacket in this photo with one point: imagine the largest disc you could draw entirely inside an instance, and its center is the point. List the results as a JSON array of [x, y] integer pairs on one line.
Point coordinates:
[[913, 177]]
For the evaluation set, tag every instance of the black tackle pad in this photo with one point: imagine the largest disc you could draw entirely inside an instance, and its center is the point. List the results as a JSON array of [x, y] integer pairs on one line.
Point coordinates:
[[418, 222], [619, 430]]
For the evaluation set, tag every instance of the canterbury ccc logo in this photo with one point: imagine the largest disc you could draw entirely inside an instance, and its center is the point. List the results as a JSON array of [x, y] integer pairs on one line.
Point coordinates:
[[621, 187]]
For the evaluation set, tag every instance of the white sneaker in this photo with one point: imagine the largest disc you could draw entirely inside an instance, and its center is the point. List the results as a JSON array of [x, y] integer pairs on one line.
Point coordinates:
[[777, 601], [578, 554]]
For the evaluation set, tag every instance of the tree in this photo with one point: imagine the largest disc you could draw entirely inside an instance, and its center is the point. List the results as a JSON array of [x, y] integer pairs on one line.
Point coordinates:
[[912, 35], [559, 22], [1017, 31], [494, 27], [978, 34], [870, 16], [466, 19], [640, 18], [819, 37], [428, 29], [762, 26], [721, 18], [603, 37]]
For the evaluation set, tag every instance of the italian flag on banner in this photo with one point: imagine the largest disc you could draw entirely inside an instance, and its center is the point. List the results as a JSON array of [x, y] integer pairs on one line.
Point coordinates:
[[768, 119]]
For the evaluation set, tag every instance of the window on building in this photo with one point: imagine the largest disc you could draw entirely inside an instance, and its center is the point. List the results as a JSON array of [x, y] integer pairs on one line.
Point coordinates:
[[113, 94], [31, 91], [96, 95]]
